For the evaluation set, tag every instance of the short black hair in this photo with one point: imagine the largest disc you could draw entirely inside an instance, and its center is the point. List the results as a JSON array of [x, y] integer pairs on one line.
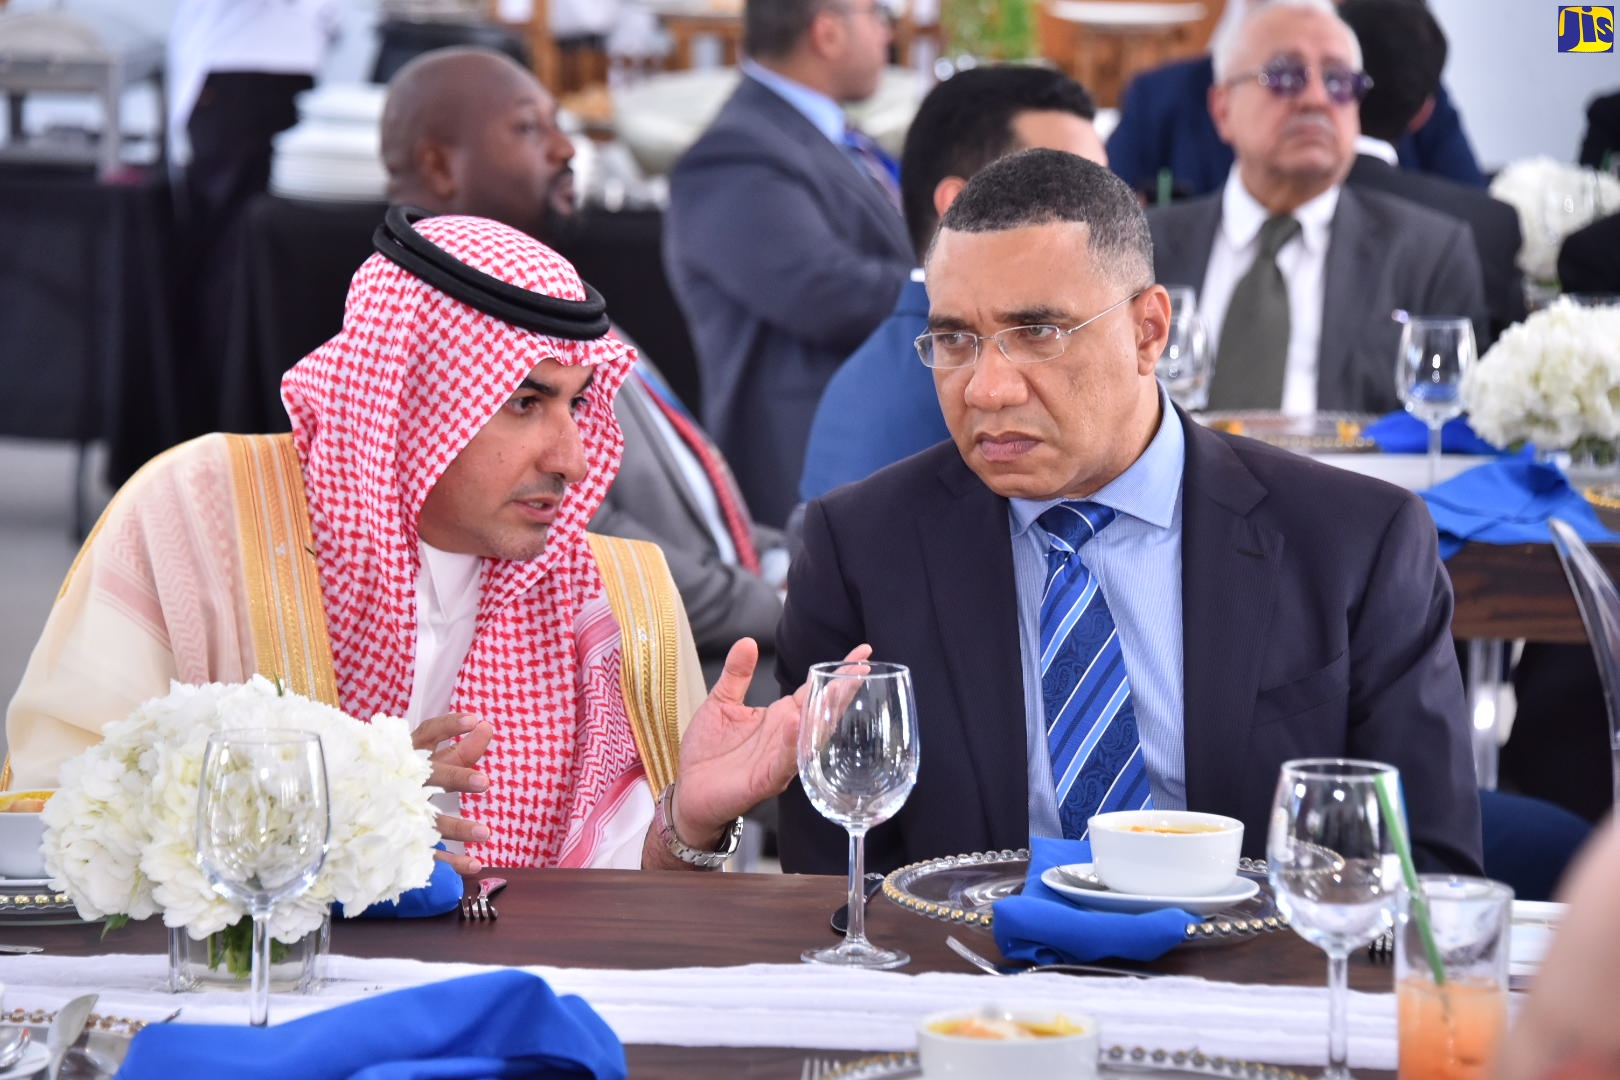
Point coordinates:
[[773, 28], [966, 122], [1404, 50], [1044, 187]]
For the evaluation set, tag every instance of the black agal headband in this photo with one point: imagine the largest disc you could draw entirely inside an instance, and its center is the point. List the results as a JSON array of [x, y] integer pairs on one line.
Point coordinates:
[[397, 240]]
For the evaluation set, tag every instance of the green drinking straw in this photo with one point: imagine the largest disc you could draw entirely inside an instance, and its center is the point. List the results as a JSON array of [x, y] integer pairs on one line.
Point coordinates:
[[1384, 786]]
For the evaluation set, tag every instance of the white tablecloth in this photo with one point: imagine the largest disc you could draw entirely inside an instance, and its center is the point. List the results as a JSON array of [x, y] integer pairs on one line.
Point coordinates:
[[792, 1005]]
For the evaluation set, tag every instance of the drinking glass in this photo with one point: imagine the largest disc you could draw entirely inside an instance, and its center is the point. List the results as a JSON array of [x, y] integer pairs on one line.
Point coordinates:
[[858, 762], [1184, 365], [1450, 1029], [1331, 860], [1435, 354], [262, 829]]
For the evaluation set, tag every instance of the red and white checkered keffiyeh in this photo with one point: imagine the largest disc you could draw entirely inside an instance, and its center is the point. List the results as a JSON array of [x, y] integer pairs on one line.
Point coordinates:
[[378, 413]]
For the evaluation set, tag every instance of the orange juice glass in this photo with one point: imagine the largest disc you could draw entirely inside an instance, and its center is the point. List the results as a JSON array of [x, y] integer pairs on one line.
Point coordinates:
[[1449, 1030]]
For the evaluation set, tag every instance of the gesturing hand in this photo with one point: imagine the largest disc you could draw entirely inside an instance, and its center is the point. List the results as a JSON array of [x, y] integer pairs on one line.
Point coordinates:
[[453, 770], [734, 756]]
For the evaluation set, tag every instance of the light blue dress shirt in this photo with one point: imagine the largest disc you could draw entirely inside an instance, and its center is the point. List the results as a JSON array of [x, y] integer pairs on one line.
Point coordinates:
[[1137, 560]]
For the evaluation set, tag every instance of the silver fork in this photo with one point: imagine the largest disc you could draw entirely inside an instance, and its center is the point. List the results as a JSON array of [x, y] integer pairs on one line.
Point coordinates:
[[479, 907], [991, 967]]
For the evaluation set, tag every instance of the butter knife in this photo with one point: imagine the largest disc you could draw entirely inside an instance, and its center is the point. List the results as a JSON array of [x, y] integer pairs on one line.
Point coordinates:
[[21, 949]]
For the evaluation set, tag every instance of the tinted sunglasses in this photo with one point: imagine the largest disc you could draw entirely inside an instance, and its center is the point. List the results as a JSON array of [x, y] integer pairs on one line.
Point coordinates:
[[1287, 77]]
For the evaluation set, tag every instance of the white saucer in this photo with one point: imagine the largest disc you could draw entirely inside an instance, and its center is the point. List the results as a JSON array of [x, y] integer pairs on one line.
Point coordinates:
[[34, 1059], [1104, 899]]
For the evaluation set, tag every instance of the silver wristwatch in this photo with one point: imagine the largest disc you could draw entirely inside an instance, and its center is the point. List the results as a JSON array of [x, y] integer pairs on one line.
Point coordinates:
[[663, 821]]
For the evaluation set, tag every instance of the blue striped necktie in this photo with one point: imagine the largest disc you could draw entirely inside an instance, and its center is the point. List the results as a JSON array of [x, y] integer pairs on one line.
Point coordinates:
[[874, 162], [1090, 721]]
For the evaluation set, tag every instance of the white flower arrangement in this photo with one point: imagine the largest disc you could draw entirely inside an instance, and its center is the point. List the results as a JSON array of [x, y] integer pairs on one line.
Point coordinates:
[[1553, 380], [1536, 188], [120, 832]]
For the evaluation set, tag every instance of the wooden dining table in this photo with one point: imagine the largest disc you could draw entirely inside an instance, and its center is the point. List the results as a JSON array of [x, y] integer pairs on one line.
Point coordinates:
[[662, 919]]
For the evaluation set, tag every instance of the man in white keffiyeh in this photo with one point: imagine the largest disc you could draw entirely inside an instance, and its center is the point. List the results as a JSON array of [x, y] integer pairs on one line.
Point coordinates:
[[453, 440]]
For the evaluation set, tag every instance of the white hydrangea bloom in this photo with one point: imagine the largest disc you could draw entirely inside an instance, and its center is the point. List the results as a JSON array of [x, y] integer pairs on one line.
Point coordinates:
[[1553, 199], [120, 833], [1553, 380]]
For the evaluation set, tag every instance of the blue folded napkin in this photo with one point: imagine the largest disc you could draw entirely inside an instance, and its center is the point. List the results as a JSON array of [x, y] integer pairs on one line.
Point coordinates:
[[1400, 432], [503, 1023], [1046, 927], [441, 894], [1508, 502]]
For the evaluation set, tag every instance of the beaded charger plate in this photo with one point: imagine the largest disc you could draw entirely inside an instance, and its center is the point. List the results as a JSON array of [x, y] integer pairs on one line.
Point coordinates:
[[35, 903], [1339, 431], [1133, 1061], [962, 888]]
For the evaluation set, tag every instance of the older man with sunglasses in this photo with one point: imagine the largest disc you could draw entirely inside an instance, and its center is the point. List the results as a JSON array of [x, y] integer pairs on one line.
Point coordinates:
[[1297, 275]]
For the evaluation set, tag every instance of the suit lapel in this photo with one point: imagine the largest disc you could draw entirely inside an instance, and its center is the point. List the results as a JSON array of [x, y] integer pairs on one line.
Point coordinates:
[[1189, 241], [1228, 584], [967, 558], [828, 160], [1355, 244], [638, 401]]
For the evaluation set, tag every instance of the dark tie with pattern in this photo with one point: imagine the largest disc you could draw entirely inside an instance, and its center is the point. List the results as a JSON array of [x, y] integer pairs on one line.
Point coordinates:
[[1091, 731], [874, 162], [1253, 352]]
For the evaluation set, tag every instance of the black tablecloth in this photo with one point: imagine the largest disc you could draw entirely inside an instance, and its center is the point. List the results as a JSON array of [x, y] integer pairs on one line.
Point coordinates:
[[85, 331], [298, 257]]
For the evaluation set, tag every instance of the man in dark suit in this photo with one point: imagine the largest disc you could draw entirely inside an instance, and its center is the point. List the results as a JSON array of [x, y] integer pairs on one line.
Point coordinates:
[[1164, 123], [468, 131], [1404, 50], [1265, 607], [784, 241], [1310, 271]]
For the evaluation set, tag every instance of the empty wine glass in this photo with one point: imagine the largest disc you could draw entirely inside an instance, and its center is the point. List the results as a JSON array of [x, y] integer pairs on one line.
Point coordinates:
[[1183, 367], [1331, 860], [1435, 354], [262, 829], [858, 762]]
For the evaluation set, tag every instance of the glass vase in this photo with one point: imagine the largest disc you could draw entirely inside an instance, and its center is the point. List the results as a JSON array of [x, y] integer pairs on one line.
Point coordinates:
[[221, 960]]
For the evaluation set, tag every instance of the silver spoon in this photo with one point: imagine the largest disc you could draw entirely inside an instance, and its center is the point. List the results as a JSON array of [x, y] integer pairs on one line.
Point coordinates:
[[14, 1048], [65, 1031]]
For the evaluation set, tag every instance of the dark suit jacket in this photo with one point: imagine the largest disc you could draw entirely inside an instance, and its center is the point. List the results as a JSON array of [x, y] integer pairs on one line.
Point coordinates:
[[784, 257], [1602, 136], [1317, 621], [1384, 254], [651, 499], [1494, 223], [1589, 260], [1164, 122]]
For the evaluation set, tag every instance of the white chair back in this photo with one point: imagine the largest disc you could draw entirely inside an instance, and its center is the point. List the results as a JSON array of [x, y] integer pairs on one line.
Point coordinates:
[[1599, 602]]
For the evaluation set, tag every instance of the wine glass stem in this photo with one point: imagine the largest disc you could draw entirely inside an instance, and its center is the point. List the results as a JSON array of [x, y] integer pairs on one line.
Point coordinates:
[[259, 977], [856, 934], [1434, 454], [1338, 1016]]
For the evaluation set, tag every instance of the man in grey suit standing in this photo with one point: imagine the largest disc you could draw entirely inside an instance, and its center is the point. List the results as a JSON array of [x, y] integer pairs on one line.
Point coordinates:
[[784, 241], [1298, 275]]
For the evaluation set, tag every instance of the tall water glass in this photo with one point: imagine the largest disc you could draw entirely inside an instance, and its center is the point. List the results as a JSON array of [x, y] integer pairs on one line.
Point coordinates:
[[262, 829], [1435, 354], [858, 762], [1332, 864], [1184, 366]]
